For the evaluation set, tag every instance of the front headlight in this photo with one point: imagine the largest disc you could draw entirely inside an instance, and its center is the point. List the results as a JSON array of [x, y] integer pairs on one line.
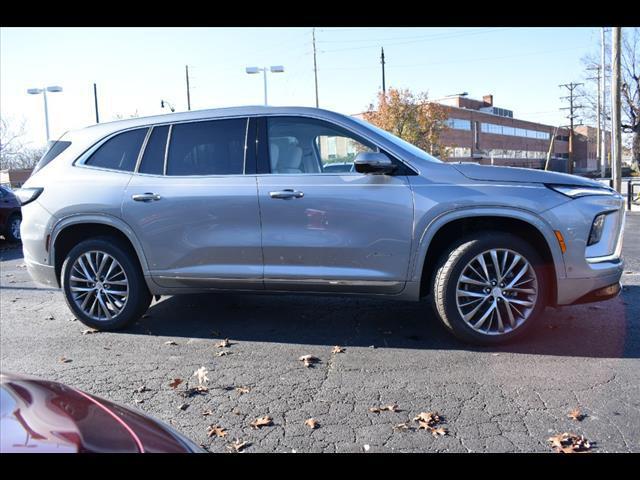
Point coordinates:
[[577, 191]]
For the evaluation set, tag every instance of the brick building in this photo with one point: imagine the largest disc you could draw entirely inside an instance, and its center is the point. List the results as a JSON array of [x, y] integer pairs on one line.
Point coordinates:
[[481, 132]]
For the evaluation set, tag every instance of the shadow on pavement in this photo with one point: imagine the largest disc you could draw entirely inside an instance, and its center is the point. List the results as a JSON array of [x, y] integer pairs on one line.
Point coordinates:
[[604, 330]]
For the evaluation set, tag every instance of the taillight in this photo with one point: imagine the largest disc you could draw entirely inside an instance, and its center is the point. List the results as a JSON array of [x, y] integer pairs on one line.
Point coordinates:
[[28, 195]]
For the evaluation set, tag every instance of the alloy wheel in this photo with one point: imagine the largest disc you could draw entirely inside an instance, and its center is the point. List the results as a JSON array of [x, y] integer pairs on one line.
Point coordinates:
[[497, 291]]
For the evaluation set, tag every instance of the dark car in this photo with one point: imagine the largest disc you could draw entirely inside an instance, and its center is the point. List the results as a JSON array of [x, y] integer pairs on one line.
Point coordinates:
[[42, 416], [10, 216]]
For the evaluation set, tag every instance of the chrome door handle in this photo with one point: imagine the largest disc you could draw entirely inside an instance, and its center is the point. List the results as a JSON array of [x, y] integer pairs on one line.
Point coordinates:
[[146, 197], [286, 194]]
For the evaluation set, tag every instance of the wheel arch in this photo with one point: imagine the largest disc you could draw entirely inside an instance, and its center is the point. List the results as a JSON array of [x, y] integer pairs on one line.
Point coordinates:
[[444, 230], [70, 231]]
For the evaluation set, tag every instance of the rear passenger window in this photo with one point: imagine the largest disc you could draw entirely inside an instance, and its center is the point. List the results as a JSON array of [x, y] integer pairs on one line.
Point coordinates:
[[207, 148], [153, 157], [119, 152]]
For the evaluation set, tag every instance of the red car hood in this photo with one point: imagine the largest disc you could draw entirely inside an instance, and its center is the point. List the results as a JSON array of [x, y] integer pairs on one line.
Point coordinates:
[[45, 416]]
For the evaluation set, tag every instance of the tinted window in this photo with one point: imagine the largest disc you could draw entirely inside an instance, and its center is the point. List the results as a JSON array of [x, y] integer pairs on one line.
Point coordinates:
[[207, 148], [55, 149], [304, 145], [119, 152], [153, 157]]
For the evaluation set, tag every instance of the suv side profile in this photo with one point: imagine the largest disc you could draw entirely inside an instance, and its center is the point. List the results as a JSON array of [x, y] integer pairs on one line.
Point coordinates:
[[250, 199]]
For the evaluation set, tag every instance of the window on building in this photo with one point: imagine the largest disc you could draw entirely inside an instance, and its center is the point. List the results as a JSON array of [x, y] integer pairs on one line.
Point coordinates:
[[119, 152], [459, 124]]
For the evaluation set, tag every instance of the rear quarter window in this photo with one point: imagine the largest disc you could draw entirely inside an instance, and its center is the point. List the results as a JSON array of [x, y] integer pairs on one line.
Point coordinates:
[[56, 147], [119, 152]]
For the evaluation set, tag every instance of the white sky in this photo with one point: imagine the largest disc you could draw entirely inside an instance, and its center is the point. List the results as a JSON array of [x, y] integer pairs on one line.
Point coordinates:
[[137, 67]]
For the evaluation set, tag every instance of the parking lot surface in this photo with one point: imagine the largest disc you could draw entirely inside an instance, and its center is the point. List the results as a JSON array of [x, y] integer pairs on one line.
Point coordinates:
[[501, 399]]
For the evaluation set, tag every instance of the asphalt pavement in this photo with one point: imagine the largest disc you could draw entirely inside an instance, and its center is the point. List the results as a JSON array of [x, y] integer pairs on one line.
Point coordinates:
[[503, 399]]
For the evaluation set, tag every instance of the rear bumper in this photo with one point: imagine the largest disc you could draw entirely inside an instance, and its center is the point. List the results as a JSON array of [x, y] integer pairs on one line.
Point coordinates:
[[42, 274]]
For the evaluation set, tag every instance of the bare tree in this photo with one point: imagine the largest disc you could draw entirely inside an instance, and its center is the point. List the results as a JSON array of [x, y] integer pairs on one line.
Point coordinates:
[[15, 151], [630, 89]]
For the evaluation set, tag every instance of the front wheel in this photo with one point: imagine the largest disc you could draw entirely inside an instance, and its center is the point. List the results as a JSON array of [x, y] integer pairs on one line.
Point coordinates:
[[103, 285], [490, 288]]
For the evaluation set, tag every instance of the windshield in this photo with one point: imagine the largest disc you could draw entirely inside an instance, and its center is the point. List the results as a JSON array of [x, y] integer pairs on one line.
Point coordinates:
[[399, 142]]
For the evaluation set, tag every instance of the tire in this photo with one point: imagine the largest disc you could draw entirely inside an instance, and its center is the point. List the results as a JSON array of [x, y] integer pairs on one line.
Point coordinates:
[[115, 310], [525, 307], [13, 228]]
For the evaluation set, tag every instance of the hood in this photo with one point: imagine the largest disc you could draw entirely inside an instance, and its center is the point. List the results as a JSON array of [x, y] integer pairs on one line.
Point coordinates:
[[490, 173]]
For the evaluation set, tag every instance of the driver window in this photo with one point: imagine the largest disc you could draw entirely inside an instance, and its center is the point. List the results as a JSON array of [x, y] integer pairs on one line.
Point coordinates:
[[304, 145]]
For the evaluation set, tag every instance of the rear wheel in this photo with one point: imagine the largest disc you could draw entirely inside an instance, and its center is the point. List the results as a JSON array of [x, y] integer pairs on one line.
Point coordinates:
[[490, 288], [13, 228], [103, 285]]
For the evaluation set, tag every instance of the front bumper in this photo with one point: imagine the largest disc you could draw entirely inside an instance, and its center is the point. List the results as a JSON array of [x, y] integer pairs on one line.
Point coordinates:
[[42, 274], [588, 269]]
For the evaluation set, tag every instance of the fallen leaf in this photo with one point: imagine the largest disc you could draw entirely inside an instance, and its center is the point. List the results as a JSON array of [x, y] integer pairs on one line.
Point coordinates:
[[49, 317], [89, 331], [216, 430], [64, 360], [575, 414], [175, 383], [236, 411], [402, 427], [206, 413], [243, 390], [429, 418], [569, 443], [142, 389], [201, 373], [238, 445], [337, 349], [312, 423], [223, 353], [262, 422], [170, 342], [223, 343], [139, 400], [184, 406], [440, 431], [388, 408], [309, 360]]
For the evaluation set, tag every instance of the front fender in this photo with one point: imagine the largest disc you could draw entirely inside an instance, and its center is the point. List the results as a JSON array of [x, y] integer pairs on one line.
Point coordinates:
[[426, 234]]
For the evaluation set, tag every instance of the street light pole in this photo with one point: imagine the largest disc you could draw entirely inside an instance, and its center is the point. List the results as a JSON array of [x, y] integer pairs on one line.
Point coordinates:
[[264, 71], [272, 69], [37, 91]]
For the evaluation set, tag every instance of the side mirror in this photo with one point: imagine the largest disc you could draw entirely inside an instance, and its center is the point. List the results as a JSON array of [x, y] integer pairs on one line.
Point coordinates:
[[373, 162]]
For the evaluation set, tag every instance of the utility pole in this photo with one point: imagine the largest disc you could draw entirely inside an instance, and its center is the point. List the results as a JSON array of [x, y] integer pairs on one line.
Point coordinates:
[[384, 88], [616, 153], [598, 69], [315, 64], [572, 115], [95, 101], [603, 119], [186, 68]]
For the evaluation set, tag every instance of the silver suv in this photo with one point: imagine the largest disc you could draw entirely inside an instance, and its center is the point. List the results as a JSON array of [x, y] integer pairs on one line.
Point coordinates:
[[261, 199]]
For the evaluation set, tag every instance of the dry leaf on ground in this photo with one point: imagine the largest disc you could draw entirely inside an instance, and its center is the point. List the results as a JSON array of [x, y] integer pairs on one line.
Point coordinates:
[[569, 443], [184, 406], [175, 383], [575, 414], [238, 445], [262, 422], [223, 343], [402, 427], [312, 423], [216, 430], [170, 342], [337, 349], [89, 331], [64, 360], [223, 353], [309, 360], [388, 408], [201, 373], [243, 390], [440, 431], [207, 413], [141, 389]]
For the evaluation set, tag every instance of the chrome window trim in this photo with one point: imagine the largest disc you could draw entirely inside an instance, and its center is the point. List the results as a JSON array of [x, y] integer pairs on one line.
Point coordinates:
[[166, 150], [142, 149]]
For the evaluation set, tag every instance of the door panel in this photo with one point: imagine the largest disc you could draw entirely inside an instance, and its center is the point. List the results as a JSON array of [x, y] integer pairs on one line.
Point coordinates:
[[348, 233], [202, 232]]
